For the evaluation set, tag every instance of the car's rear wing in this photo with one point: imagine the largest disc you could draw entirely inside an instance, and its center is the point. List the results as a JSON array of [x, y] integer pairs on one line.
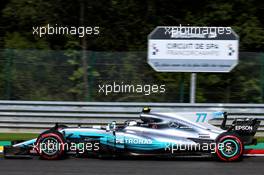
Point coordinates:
[[246, 128]]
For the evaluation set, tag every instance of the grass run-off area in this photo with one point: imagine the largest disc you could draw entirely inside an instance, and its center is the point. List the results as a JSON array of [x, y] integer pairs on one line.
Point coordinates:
[[17, 136]]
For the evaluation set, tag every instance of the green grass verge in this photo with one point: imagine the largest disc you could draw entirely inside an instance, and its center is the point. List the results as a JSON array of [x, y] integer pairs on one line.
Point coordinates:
[[17, 136], [260, 139]]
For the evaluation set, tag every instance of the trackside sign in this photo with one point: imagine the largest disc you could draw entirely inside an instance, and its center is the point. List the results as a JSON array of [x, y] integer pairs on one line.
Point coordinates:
[[193, 49]]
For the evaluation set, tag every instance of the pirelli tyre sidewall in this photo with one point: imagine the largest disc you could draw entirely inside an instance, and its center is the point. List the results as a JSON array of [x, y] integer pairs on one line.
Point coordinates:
[[229, 147], [50, 145]]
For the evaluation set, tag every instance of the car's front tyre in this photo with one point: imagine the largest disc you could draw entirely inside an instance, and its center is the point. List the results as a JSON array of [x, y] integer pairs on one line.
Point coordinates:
[[50, 145]]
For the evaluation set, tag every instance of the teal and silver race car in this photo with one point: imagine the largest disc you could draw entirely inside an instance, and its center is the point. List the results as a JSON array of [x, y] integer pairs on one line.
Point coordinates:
[[153, 134]]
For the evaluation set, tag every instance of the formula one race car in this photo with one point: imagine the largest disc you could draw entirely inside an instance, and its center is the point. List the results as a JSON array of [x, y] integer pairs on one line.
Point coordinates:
[[156, 134]]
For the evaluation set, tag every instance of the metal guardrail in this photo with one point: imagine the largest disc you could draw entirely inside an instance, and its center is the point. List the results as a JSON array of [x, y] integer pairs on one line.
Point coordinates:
[[33, 116]]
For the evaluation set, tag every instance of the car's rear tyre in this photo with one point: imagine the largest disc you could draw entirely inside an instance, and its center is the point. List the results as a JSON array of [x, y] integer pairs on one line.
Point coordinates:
[[229, 147], [51, 145]]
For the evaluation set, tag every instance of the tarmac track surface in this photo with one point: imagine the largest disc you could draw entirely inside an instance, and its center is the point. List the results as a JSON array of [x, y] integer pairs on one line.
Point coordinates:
[[253, 165]]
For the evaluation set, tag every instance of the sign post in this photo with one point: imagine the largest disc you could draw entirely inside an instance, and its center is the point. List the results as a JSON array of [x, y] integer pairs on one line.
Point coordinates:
[[193, 49], [193, 88]]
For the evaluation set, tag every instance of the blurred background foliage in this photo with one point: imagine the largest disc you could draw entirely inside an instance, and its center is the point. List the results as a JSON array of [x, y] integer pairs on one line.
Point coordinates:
[[51, 67]]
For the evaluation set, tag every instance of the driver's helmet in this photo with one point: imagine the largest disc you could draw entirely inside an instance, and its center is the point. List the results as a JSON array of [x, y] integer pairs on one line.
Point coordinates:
[[146, 110]]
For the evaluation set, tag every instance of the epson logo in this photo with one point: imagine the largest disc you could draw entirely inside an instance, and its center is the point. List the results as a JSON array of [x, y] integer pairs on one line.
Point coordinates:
[[244, 128]]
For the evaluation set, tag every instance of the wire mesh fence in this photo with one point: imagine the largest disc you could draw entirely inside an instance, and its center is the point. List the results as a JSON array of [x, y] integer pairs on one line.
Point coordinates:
[[63, 75]]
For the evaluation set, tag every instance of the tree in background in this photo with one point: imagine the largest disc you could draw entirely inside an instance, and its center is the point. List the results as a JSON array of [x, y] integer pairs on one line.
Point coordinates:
[[61, 74]]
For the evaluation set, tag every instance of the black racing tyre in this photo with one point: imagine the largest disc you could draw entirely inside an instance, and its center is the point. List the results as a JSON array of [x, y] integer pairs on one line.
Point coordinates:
[[229, 147], [51, 145]]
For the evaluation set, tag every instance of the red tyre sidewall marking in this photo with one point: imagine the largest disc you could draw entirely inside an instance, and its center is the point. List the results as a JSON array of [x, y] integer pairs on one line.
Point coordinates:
[[235, 157], [50, 135]]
